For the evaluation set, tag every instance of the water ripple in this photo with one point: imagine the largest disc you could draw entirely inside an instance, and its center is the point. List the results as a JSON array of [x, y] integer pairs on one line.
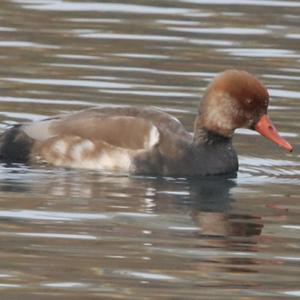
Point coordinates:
[[59, 5], [272, 3], [257, 52]]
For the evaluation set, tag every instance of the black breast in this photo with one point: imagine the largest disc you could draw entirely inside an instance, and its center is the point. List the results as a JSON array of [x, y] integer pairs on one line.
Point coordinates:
[[15, 145]]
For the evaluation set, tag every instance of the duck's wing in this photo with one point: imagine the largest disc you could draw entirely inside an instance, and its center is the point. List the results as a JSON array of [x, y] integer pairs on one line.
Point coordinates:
[[126, 127], [121, 131]]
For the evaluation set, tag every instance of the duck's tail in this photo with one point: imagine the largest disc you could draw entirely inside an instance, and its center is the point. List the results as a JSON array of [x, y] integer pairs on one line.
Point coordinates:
[[15, 145]]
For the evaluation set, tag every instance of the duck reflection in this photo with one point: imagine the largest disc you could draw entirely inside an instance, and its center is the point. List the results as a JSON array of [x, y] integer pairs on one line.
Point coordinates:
[[209, 201], [159, 219], [224, 228], [212, 202]]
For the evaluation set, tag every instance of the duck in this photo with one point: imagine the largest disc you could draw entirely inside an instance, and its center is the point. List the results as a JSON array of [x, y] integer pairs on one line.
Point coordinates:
[[148, 141]]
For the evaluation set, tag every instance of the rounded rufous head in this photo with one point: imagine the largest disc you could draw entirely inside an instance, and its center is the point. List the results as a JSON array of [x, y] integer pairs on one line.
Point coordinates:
[[234, 99]]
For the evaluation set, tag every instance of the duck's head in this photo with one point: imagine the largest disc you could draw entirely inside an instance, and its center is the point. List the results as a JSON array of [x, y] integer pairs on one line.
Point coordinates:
[[236, 99]]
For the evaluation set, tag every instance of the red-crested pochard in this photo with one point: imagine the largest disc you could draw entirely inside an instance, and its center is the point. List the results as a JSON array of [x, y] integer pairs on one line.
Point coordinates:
[[140, 140]]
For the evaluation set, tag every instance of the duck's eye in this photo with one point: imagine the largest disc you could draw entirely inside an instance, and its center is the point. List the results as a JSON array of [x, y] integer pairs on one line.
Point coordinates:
[[249, 101]]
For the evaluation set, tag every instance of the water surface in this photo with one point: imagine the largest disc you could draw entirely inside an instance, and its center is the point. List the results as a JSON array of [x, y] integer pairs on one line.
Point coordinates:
[[69, 234]]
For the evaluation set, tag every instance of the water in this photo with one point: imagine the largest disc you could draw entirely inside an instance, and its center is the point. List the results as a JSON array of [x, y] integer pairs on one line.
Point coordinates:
[[70, 234]]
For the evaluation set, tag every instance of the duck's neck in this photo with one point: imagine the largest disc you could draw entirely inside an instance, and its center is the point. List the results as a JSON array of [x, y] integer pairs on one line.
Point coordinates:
[[202, 137], [212, 128]]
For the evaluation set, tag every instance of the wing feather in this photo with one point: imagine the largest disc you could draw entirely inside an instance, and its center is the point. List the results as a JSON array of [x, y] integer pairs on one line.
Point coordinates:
[[130, 132]]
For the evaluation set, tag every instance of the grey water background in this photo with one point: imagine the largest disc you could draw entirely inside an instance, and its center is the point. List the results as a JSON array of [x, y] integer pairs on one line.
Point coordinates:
[[71, 234]]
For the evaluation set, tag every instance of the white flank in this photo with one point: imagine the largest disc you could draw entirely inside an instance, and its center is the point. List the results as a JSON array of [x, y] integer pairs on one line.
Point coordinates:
[[78, 150], [60, 147], [114, 159], [83, 155], [107, 159], [152, 138]]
